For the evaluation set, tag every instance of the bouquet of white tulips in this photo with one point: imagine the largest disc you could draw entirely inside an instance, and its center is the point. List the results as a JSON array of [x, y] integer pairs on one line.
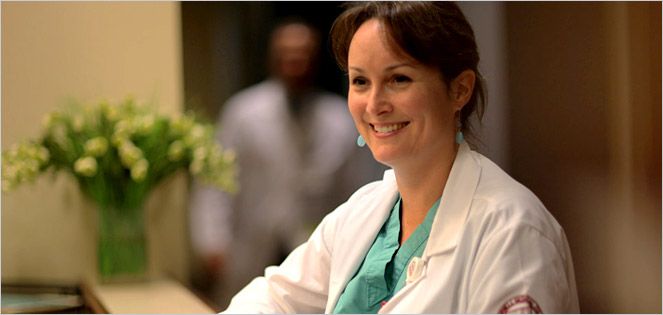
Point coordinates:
[[118, 154], [124, 147]]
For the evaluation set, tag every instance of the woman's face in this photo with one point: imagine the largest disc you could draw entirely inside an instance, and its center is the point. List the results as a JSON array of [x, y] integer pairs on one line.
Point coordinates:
[[401, 107]]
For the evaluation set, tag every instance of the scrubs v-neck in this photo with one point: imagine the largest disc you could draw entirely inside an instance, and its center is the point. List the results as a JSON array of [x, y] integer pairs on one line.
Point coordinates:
[[381, 274]]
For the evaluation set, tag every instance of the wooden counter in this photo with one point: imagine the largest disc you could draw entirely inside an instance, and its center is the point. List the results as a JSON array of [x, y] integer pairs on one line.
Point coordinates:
[[161, 296]]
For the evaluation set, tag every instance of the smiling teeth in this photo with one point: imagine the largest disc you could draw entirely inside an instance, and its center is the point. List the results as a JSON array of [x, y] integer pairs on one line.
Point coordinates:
[[389, 128]]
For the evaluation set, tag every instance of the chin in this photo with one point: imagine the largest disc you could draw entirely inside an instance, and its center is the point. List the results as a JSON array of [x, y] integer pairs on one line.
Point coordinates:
[[386, 157]]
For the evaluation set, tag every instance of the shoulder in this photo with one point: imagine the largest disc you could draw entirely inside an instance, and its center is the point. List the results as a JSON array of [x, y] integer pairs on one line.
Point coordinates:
[[515, 247], [366, 195], [253, 99], [364, 205], [500, 190], [330, 115], [330, 99], [327, 103], [502, 205], [264, 89], [374, 190]]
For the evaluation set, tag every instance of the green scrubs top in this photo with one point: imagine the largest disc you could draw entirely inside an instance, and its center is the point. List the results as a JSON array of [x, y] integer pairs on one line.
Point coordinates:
[[382, 273]]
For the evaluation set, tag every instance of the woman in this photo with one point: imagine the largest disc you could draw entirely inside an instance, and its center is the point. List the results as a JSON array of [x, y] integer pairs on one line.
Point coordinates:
[[445, 231]]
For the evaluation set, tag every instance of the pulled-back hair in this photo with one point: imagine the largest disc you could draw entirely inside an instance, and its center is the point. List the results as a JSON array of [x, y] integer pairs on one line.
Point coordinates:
[[435, 34]]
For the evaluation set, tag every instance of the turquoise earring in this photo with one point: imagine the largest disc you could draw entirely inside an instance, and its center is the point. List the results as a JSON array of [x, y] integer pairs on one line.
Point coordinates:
[[459, 137], [361, 142], [459, 134]]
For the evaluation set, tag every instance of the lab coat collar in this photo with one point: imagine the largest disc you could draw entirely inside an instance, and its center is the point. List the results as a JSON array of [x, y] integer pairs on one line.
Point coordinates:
[[374, 212], [455, 204], [448, 222]]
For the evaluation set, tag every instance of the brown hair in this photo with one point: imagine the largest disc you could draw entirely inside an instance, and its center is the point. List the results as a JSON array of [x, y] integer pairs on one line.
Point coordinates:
[[433, 33]]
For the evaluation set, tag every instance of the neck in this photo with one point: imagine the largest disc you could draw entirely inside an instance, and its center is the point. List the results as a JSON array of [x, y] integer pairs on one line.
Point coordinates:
[[296, 86], [421, 184]]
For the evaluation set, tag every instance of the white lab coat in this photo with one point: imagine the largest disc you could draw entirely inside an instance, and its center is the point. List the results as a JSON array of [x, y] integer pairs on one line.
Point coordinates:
[[491, 241]]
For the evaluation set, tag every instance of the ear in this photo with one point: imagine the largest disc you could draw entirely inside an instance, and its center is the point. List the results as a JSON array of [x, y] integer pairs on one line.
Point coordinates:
[[462, 87]]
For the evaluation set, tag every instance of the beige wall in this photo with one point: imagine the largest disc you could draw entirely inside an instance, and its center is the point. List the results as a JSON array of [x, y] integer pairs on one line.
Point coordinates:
[[88, 51], [585, 91]]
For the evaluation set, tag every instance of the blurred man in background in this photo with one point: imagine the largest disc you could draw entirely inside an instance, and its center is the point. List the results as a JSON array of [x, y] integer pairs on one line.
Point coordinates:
[[298, 160]]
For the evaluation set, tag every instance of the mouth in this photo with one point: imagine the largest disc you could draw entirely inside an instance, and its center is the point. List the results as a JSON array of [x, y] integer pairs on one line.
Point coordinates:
[[384, 129]]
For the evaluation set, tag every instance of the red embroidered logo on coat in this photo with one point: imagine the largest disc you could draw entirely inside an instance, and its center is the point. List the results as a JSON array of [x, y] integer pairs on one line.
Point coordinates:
[[523, 304]]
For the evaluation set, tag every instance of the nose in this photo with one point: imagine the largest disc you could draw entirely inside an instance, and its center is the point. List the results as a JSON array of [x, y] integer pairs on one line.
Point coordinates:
[[378, 103]]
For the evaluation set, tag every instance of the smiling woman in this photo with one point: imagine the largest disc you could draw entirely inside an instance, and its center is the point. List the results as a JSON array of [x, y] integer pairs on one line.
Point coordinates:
[[446, 230], [405, 112], [395, 101]]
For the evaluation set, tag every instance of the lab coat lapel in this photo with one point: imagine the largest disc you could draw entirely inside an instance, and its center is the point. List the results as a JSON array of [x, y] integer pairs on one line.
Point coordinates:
[[455, 204], [351, 248], [449, 219]]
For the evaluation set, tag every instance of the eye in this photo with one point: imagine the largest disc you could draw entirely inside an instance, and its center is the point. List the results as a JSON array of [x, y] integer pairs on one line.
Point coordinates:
[[400, 79], [359, 81]]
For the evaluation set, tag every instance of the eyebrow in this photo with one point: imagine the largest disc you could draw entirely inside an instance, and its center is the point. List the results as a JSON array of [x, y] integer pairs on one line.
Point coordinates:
[[389, 68]]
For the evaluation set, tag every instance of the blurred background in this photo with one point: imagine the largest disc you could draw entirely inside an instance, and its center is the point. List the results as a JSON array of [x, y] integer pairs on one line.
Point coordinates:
[[574, 113]]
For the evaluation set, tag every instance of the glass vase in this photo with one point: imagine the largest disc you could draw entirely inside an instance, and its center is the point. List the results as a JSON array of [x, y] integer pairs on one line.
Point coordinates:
[[122, 254]]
